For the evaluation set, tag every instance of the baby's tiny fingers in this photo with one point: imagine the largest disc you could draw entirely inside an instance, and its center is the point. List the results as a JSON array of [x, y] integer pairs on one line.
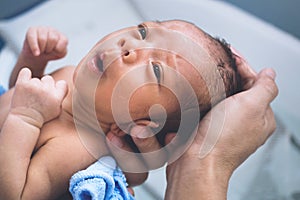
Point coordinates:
[[24, 76], [42, 38], [32, 40], [52, 40], [61, 46]]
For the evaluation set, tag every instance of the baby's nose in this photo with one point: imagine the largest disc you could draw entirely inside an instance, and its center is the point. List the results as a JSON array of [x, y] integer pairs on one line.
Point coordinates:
[[128, 50], [129, 56]]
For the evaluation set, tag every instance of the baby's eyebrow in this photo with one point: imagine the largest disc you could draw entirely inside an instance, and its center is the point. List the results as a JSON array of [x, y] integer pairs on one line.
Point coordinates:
[[153, 21]]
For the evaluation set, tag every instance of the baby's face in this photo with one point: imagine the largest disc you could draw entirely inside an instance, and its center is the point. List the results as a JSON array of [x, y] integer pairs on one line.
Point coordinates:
[[145, 73]]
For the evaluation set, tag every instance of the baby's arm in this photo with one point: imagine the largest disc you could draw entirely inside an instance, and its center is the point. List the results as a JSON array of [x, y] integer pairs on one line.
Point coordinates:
[[34, 103], [41, 45]]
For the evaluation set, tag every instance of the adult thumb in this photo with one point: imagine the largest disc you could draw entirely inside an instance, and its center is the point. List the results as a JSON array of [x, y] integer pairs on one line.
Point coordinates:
[[265, 89]]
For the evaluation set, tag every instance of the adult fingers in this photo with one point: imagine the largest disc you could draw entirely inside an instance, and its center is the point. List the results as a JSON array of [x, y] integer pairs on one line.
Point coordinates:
[[153, 154], [48, 81], [270, 122], [131, 164], [169, 137], [135, 179], [265, 88], [242, 64], [248, 75], [122, 152]]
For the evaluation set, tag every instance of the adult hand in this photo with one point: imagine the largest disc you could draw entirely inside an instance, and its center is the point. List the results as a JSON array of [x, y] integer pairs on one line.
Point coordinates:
[[248, 122]]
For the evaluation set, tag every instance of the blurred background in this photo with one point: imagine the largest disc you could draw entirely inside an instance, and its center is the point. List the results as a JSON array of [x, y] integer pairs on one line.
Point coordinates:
[[282, 14]]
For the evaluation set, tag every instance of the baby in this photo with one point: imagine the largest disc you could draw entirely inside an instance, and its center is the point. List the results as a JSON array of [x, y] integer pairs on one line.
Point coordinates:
[[163, 75]]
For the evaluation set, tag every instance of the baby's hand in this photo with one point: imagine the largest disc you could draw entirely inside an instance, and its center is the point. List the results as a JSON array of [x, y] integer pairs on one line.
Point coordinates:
[[45, 43], [38, 100]]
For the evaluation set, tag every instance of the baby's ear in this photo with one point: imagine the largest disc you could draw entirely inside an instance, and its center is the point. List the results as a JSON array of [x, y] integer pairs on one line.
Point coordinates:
[[135, 129], [142, 128], [146, 122]]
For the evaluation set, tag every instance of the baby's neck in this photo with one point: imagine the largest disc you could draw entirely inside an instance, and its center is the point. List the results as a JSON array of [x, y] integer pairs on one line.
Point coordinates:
[[80, 115]]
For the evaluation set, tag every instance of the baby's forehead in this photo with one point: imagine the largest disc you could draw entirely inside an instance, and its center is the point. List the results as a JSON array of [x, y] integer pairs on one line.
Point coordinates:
[[186, 28], [192, 73], [176, 23]]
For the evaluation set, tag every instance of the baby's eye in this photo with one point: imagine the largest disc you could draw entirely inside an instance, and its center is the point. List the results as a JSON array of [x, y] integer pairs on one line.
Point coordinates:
[[157, 72], [142, 30], [99, 64]]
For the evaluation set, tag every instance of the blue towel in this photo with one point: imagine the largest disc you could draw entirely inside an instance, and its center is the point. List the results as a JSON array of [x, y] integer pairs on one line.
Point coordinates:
[[2, 90], [102, 180]]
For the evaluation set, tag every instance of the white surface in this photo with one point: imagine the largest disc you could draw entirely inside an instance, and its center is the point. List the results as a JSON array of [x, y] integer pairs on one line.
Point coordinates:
[[262, 45]]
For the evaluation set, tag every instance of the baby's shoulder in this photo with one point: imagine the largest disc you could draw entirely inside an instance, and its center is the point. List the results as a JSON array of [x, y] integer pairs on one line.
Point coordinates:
[[64, 73]]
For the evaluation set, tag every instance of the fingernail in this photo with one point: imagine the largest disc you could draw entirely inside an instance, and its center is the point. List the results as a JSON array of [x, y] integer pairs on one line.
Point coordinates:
[[233, 50], [116, 141], [236, 53], [271, 73], [143, 135], [36, 52], [140, 132]]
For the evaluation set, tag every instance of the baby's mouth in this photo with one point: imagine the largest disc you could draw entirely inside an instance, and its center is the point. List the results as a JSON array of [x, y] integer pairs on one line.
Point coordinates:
[[96, 65]]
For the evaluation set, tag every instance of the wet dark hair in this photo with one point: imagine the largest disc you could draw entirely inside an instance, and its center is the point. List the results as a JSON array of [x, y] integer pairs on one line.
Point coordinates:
[[232, 79], [230, 75]]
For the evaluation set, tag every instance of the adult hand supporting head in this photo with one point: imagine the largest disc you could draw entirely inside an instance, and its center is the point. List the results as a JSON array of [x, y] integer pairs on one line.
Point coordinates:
[[249, 121]]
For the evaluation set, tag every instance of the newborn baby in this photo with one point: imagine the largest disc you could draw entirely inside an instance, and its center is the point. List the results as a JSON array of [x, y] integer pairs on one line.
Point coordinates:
[[161, 75]]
